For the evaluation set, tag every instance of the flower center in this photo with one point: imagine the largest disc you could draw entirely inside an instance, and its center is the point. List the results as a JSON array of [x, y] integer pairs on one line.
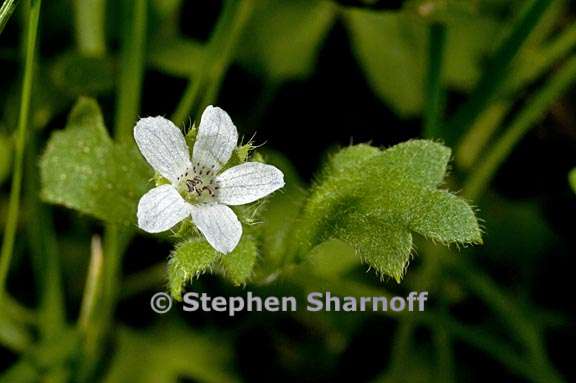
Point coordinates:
[[198, 184]]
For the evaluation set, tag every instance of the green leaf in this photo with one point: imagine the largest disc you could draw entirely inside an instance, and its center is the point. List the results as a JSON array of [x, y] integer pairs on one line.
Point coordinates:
[[331, 259], [443, 217], [194, 257], [239, 264], [383, 246], [189, 260], [375, 203], [282, 38], [472, 37], [83, 169], [391, 49], [348, 157], [422, 162]]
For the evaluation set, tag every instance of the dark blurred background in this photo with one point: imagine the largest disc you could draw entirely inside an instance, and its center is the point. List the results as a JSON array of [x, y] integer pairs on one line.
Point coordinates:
[[304, 113]]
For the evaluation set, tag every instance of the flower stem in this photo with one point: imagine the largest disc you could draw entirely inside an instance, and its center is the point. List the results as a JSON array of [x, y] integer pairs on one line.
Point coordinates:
[[531, 114], [220, 51], [23, 123]]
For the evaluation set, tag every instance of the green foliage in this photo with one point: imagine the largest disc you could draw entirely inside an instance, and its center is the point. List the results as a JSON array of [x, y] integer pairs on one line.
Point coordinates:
[[194, 257], [189, 259], [79, 75], [5, 157], [331, 259], [343, 160], [6, 11], [83, 169], [177, 56], [274, 23], [172, 353], [50, 356], [239, 264], [391, 49], [281, 213], [13, 334], [373, 201], [518, 231], [572, 178], [388, 49]]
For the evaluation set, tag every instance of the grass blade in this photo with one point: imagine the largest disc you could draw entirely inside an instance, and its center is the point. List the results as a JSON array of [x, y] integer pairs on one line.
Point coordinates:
[[23, 124], [434, 93], [7, 9], [534, 111], [496, 73]]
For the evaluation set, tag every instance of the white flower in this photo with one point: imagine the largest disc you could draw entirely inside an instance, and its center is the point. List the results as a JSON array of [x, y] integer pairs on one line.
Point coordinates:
[[196, 189]]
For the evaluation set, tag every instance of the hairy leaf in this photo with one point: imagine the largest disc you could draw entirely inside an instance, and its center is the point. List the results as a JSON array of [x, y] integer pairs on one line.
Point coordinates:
[[238, 265], [188, 260], [383, 246], [194, 257], [331, 259], [374, 201], [346, 158], [422, 162], [83, 169], [443, 217]]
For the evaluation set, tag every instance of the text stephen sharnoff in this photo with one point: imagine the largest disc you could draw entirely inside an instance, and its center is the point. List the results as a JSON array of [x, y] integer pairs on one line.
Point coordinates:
[[315, 302]]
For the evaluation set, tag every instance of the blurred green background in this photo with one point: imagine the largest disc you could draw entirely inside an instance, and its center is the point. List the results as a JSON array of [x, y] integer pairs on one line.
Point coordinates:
[[492, 79]]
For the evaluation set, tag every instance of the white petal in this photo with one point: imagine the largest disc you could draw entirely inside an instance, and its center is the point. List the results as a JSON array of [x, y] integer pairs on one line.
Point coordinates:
[[219, 225], [161, 208], [217, 138], [248, 182], [163, 146]]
